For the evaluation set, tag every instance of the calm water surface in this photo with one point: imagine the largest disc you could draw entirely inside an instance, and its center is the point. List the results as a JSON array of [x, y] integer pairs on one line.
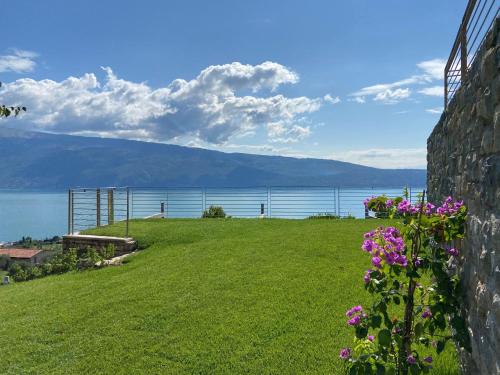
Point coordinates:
[[35, 214]]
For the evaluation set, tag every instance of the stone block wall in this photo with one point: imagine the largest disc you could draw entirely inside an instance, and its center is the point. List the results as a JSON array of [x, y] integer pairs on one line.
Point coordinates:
[[463, 160]]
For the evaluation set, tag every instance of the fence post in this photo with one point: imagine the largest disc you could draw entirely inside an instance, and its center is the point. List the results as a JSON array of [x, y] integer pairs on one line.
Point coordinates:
[[98, 207], [111, 207], [269, 193], [69, 211], [162, 209], [126, 221], [338, 201], [203, 200]]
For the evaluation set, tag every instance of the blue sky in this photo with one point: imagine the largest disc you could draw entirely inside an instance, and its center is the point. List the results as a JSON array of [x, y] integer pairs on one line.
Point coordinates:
[[349, 80]]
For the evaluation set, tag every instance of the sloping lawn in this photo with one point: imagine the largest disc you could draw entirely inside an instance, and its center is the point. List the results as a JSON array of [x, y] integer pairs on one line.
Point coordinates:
[[206, 297]]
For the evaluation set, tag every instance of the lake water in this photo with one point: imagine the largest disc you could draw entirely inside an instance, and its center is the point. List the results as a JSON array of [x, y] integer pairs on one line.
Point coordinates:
[[45, 214], [34, 214]]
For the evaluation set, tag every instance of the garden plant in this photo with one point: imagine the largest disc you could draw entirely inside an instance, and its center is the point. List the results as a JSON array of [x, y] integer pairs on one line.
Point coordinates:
[[416, 292]]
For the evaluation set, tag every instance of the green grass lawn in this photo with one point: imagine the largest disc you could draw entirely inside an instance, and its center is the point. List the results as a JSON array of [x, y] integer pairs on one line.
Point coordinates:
[[205, 297]]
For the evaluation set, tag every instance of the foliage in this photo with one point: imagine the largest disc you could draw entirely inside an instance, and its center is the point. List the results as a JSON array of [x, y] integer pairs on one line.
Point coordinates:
[[107, 252], [324, 215], [214, 212], [5, 262], [382, 205], [411, 266], [89, 258], [207, 296], [6, 111]]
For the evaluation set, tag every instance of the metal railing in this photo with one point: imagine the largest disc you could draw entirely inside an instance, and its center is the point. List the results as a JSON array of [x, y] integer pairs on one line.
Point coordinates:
[[95, 207], [477, 20]]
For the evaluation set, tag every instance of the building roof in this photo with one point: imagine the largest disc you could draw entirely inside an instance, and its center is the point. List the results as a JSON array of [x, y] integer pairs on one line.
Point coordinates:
[[20, 253]]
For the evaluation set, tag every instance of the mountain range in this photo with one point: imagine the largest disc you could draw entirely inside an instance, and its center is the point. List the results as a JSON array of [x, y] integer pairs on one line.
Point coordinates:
[[31, 160]]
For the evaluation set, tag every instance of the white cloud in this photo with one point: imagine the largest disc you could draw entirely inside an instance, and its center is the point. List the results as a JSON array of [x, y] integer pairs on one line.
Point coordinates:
[[385, 157], [207, 107], [392, 96], [431, 70], [329, 99], [435, 111], [18, 61], [433, 91], [358, 99]]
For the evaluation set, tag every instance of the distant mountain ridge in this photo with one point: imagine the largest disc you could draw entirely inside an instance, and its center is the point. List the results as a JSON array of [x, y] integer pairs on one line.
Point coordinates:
[[32, 160]]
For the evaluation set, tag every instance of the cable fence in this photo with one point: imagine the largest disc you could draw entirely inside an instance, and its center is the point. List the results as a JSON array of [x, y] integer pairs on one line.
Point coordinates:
[[478, 18], [95, 207]]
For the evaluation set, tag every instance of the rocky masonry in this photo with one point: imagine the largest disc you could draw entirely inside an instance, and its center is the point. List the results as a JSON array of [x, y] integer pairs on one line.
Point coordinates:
[[463, 160]]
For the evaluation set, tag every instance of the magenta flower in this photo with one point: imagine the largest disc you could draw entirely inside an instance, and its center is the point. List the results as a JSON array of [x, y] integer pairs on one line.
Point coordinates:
[[371, 338], [389, 203], [453, 252], [411, 360], [345, 353], [367, 277], [376, 261], [427, 314], [354, 321], [428, 359]]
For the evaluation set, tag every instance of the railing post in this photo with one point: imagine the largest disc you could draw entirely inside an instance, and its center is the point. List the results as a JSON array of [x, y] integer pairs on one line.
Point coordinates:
[[338, 202], [128, 210], [162, 209], [203, 200], [111, 207], [98, 207], [269, 193], [463, 52], [69, 211], [72, 212]]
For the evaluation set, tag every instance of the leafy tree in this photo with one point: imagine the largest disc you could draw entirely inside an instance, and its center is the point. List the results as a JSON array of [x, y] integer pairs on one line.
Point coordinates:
[[6, 111]]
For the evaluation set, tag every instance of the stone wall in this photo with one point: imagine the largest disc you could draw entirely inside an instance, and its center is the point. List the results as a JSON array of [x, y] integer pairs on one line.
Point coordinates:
[[82, 242], [463, 160]]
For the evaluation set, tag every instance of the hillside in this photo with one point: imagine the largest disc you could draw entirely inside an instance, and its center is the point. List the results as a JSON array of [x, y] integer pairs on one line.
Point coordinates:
[[47, 161]]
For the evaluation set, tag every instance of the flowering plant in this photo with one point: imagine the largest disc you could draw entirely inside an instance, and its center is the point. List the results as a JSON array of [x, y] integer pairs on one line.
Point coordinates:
[[411, 266]]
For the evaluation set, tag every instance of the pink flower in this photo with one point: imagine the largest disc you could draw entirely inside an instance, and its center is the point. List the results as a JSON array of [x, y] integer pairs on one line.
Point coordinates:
[[367, 277], [427, 314], [453, 252], [371, 338], [345, 353], [411, 360], [376, 261]]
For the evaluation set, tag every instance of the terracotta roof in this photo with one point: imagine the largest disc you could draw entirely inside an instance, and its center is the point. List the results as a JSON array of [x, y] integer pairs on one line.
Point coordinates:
[[20, 253]]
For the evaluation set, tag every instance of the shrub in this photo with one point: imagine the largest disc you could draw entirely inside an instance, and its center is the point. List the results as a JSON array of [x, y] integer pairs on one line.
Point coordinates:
[[108, 252], [34, 272], [18, 272], [411, 265], [89, 259], [64, 262], [5, 262], [382, 205], [324, 215], [214, 212]]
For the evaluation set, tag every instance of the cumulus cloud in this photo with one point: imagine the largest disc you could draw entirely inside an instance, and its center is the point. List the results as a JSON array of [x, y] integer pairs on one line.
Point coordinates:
[[391, 93], [18, 61], [213, 107], [433, 91], [385, 157]]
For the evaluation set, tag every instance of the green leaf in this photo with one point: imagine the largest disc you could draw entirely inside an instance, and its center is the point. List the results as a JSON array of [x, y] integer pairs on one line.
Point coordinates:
[[384, 338], [440, 346], [419, 329], [376, 321]]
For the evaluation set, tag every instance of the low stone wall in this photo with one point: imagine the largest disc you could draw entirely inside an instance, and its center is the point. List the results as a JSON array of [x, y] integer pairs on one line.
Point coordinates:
[[464, 161], [82, 242]]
